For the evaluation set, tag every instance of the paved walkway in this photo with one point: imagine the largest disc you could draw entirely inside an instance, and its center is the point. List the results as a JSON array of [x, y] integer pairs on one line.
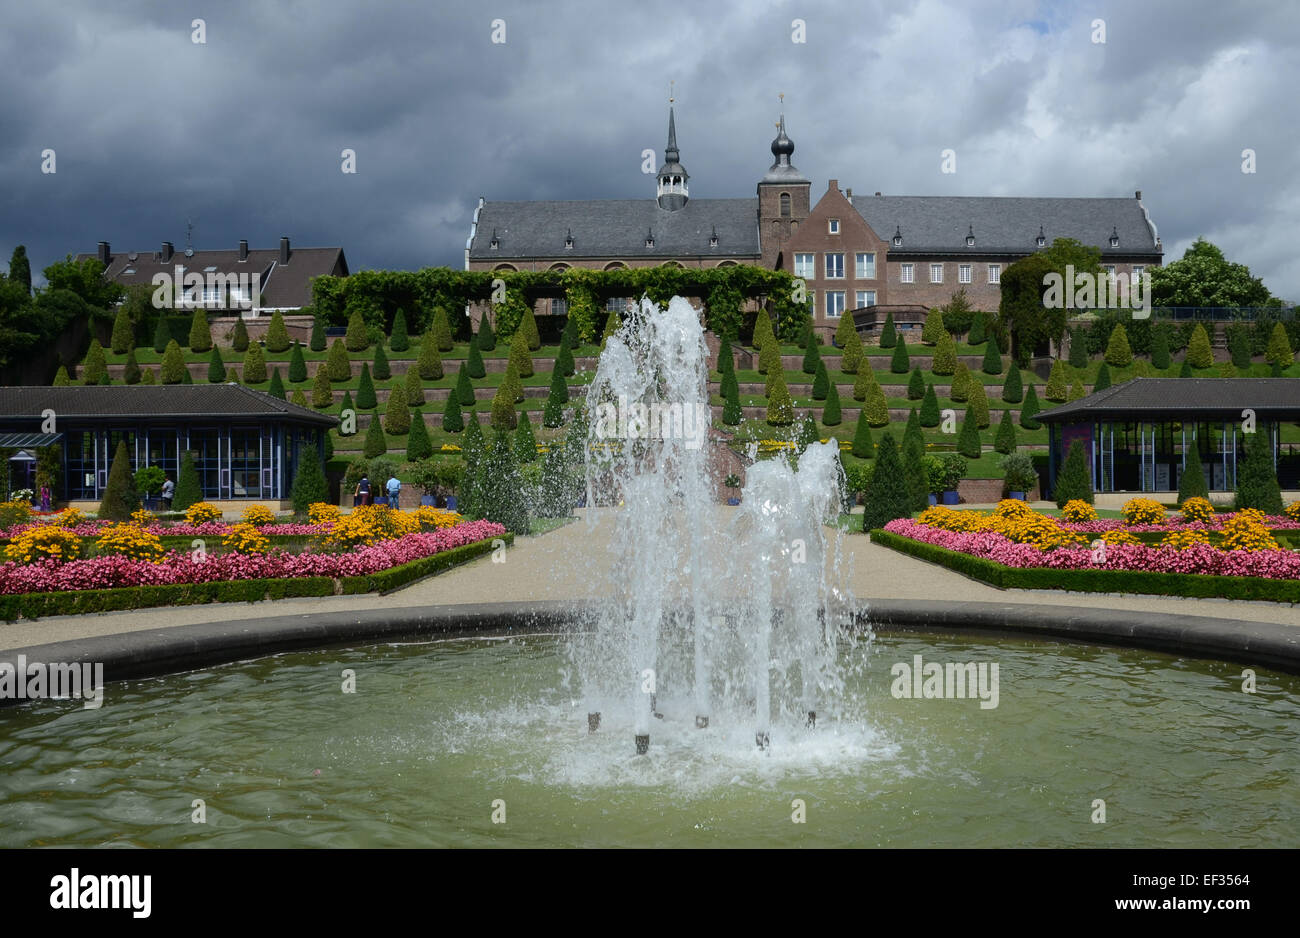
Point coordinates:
[[575, 562]]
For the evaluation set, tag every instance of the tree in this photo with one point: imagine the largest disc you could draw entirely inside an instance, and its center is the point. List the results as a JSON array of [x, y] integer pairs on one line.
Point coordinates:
[[318, 337], [863, 447], [978, 405], [123, 334], [876, 406], [821, 382], [1057, 389], [762, 330], [900, 364], [968, 441], [811, 356], [161, 335], [863, 382], [120, 498], [376, 444], [1203, 277], [933, 328], [916, 385], [525, 440], [347, 402], [930, 416], [977, 329], [366, 398], [1077, 391], [147, 376], [20, 268], [309, 485], [1032, 306], [277, 336], [486, 338], [1103, 378], [502, 489], [769, 357], [913, 458], [297, 365], [1075, 479], [1013, 390], [1257, 485], [1279, 351], [528, 326], [959, 390], [464, 390], [397, 415], [831, 412], [1118, 352], [553, 413], [418, 445], [441, 330], [503, 409], [1199, 353], [186, 377], [276, 388], [564, 360], [1078, 349], [887, 496], [1005, 440], [95, 366], [429, 363], [731, 411], [726, 363], [216, 367], [173, 365], [86, 279], [1186, 370], [189, 490], [945, 355], [780, 409], [888, 334], [853, 355], [357, 338], [400, 341], [520, 359], [1239, 348], [321, 394], [380, 369], [254, 365], [453, 421], [473, 363], [239, 335], [1160, 346], [1191, 480], [338, 364], [200, 332], [992, 357], [415, 387], [61, 379]]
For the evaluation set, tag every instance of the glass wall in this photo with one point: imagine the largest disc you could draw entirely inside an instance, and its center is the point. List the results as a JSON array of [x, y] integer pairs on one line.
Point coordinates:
[[245, 462]]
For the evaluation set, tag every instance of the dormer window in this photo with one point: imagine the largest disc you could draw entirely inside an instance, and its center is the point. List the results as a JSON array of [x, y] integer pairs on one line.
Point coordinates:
[[898, 236], [1042, 238], [494, 243], [970, 236], [713, 238], [568, 239], [649, 238], [834, 226], [1114, 237]]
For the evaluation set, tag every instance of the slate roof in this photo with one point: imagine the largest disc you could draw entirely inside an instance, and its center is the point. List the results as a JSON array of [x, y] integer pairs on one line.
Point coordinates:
[[616, 228], [153, 402], [939, 224], [286, 286], [1152, 398]]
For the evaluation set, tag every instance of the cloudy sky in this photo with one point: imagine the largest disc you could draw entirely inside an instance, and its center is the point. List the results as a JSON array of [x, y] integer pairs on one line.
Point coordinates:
[[243, 134]]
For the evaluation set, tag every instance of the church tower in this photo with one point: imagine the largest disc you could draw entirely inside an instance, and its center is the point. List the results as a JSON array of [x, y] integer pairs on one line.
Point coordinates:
[[672, 190], [784, 201]]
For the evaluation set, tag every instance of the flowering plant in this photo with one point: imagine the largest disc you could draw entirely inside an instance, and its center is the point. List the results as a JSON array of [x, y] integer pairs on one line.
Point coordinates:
[[322, 513], [1077, 510], [1197, 509], [244, 538], [130, 541], [1293, 511], [258, 515], [48, 542], [1143, 511], [200, 512], [1185, 538]]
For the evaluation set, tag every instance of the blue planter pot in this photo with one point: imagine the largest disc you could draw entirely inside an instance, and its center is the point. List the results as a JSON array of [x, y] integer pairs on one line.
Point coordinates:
[[950, 497], [1017, 495], [733, 501], [428, 500], [381, 500], [451, 502], [934, 499]]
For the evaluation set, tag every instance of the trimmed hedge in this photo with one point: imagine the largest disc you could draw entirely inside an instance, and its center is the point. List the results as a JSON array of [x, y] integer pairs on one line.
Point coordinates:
[[84, 602], [1193, 585]]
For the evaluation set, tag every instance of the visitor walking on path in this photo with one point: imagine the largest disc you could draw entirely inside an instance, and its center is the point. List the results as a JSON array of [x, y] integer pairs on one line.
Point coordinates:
[[168, 490], [362, 494], [394, 487], [45, 498]]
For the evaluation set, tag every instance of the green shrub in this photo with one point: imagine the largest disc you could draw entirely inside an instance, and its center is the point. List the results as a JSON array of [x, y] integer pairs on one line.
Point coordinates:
[[1103, 378], [200, 332], [429, 363], [553, 413], [239, 335], [321, 394], [968, 441], [95, 365], [1199, 353], [1191, 479], [357, 338], [762, 330], [863, 447], [769, 357], [397, 414], [380, 370], [1057, 390], [876, 406], [504, 416], [811, 355], [486, 338], [900, 364], [1078, 349], [959, 391], [1160, 346], [149, 480], [520, 359], [189, 489], [934, 328], [1005, 441], [297, 365], [564, 360], [1029, 410], [441, 330], [254, 365], [930, 416], [309, 485], [528, 326], [277, 337], [864, 380], [130, 371], [977, 329], [731, 410], [780, 408], [318, 337], [1075, 478], [1257, 485], [119, 498], [61, 379], [298, 398], [453, 421], [376, 444], [276, 388], [916, 385], [992, 357], [853, 355], [216, 367], [338, 365], [887, 496], [913, 459], [525, 442], [173, 365], [366, 398], [1280, 353], [945, 355], [831, 416], [1077, 391], [1239, 347], [123, 333], [821, 382], [400, 340], [147, 376], [415, 387], [1118, 352], [161, 334], [888, 334], [1018, 473]]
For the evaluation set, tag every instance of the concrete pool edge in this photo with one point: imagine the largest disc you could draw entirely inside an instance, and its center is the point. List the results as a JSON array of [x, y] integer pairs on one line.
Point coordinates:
[[153, 652]]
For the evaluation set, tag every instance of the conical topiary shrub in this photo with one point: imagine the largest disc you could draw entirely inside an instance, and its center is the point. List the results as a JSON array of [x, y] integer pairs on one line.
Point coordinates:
[[886, 497], [453, 420], [123, 334], [1057, 390], [831, 412], [1279, 352], [464, 390], [731, 411], [520, 359], [119, 498], [977, 329], [418, 444], [415, 387], [397, 415], [1013, 390], [968, 440], [916, 385], [1077, 391], [1029, 410], [161, 335], [366, 398], [553, 413], [276, 388], [130, 370], [876, 406], [933, 328], [254, 365], [1103, 378], [888, 334], [474, 362], [239, 336], [959, 390], [1005, 439], [929, 415], [945, 355], [189, 489], [564, 360], [992, 357], [297, 365], [1160, 347], [528, 326], [1119, 354], [309, 484], [200, 332], [380, 370], [780, 408], [173, 365], [762, 330], [322, 395], [95, 366], [978, 405], [1075, 479], [863, 447], [900, 364], [821, 382], [277, 336], [811, 356], [338, 364], [864, 380], [357, 338], [1191, 477], [318, 337], [1078, 349], [853, 355], [525, 439], [216, 367], [400, 340], [1257, 485], [486, 338], [376, 444]]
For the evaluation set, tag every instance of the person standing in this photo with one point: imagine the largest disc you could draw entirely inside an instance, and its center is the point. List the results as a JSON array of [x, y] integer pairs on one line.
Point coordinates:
[[363, 491], [168, 490], [45, 498], [394, 487]]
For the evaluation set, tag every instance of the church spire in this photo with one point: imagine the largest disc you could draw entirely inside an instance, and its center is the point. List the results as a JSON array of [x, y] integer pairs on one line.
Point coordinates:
[[672, 193], [782, 169]]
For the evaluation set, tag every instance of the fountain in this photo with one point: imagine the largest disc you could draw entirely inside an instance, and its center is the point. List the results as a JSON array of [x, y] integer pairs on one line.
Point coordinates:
[[739, 619]]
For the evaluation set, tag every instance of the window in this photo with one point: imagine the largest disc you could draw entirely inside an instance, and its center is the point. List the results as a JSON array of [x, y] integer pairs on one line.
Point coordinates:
[[619, 303], [559, 307], [246, 462], [936, 273], [803, 266], [834, 226], [834, 266], [212, 296], [864, 265], [812, 302], [785, 205], [906, 273], [1137, 273], [834, 304], [995, 273], [963, 273], [866, 298], [1110, 270]]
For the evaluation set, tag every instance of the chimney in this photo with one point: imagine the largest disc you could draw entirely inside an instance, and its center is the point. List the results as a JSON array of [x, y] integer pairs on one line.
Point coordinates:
[[834, 186], [848, 193], [104, 254], [284, 251], [1138, 194], [167, 251], [243, 249], [877, 195]]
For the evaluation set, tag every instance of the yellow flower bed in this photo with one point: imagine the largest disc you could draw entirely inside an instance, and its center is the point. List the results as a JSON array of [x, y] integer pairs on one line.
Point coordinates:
[[1181, 540], [1197, 509], [1293, 511], [1013, 519], [1143, 511], [131, 541], [450, 448], [1013, 508], [68, 517], [201, 512], [142, 516], [322, 513], [430, 517], [16, 511], [258, 515], [946, 519], [1077, 511], [1244, 531], [370, 524], [52, 542], [1119, 537], [244, 538]]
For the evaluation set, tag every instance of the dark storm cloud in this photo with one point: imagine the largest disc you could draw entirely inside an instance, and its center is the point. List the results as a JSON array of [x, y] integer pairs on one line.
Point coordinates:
[[244, 134]]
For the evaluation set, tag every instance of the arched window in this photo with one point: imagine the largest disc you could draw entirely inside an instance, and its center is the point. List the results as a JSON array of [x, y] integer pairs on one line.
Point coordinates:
[[506, 267], [616, 265], [785, 205], [727, 264], [559, 267]]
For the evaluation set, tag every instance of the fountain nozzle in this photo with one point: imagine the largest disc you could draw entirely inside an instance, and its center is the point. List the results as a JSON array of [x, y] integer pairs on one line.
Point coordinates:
[[593, 722], [763, 740], [701, 723], [643, 744]]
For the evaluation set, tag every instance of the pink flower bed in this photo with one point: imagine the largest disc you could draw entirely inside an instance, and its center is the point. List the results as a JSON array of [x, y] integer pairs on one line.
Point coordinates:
[[181, 529], [1202, 558], [179, 567]]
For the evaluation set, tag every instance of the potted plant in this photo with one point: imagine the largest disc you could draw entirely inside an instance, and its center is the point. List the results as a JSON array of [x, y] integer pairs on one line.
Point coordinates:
[[1019, 475], [732, 482], [149, 482], [953, 471], [934, 473]]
